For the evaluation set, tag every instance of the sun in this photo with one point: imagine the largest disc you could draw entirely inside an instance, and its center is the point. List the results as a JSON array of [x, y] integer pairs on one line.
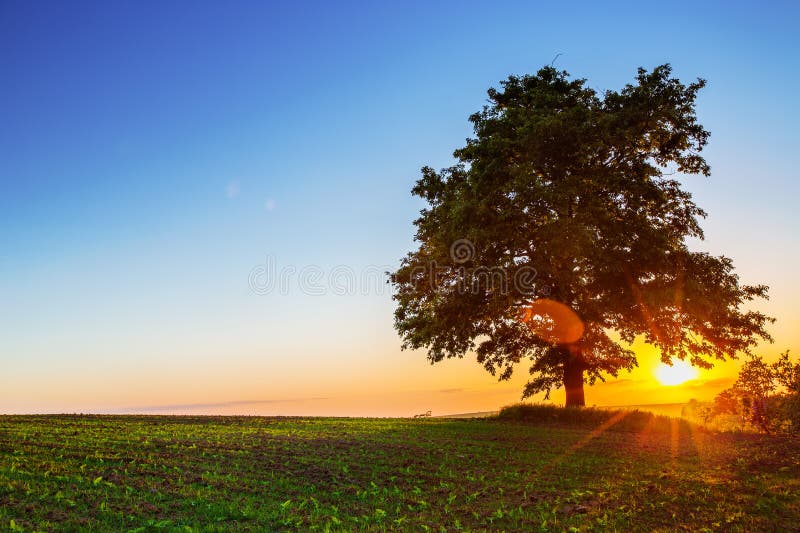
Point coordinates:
[[679, 372]]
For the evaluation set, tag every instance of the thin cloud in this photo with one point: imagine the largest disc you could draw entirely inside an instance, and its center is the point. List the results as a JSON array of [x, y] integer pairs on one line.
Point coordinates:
[[711, 383], [623, 381], [215, 405]]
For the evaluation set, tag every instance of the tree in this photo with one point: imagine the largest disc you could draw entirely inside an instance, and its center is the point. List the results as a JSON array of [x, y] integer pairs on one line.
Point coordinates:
[[575, 190], [729, 402], [756, 383], [787, 375], [768, 395]]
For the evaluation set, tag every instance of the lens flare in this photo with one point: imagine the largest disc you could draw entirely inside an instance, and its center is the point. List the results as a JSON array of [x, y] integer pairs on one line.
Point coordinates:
[[553, 321]]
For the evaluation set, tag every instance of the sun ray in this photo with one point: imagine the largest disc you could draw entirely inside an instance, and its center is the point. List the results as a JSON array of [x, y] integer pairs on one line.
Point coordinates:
[[596, 432], [674, 442]]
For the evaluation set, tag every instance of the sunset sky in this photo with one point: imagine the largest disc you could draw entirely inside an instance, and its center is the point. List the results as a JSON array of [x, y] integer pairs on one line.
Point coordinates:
[[156, 158]]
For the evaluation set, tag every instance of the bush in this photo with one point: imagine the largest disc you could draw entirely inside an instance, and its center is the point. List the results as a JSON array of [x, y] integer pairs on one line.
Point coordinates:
[[633, 420]]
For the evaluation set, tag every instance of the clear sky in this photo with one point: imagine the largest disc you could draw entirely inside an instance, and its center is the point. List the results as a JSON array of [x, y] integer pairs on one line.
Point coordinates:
[[154, 154]]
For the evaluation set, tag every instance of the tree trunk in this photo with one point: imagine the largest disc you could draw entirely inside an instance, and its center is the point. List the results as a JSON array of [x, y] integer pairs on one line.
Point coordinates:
[[573, 380]]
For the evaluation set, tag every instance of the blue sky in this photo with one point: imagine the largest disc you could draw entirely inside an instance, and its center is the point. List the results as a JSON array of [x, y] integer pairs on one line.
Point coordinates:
[[153, 153]]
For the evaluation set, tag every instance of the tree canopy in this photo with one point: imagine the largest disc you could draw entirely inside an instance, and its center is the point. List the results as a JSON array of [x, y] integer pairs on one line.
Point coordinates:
[[568, 198]]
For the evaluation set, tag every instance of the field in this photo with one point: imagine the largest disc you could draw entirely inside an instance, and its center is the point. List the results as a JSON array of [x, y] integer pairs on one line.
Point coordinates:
[[550, 471]]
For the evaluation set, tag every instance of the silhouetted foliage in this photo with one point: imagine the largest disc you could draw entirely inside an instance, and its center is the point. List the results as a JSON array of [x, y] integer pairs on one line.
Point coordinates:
[[579, 187], [728, 402], [765, 396]]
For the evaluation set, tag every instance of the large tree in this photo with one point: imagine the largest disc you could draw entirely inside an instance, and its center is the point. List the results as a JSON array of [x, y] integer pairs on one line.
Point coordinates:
[[578, 191]]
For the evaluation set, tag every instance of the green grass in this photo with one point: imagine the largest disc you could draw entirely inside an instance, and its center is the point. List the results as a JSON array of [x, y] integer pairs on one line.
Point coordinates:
[[529, 469]]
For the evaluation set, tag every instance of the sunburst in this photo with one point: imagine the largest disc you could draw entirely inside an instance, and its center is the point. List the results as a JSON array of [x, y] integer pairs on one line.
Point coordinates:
[[679, 372]]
